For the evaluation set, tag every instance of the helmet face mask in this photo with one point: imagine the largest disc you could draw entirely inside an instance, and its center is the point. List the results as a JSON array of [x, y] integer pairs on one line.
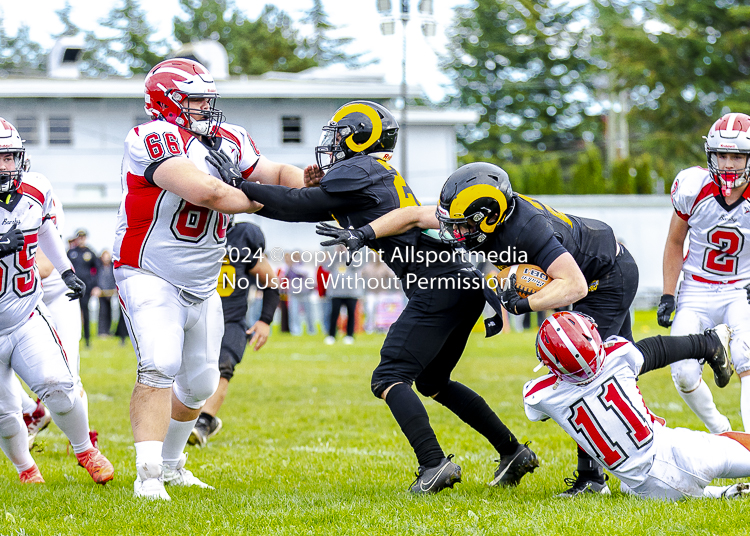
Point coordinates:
[[729, 135], [359, 127], [11, 144], [171, 86], [570, 346], [474, 200]]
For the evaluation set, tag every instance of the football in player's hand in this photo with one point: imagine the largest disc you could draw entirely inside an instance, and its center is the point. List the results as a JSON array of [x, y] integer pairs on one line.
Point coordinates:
[[530, 278]]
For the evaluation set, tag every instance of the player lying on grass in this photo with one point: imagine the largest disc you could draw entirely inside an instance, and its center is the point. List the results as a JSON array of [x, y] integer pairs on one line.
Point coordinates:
[[591, 392]]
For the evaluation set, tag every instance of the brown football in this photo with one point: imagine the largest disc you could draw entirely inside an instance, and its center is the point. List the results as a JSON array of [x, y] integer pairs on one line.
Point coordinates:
[[530, 278]]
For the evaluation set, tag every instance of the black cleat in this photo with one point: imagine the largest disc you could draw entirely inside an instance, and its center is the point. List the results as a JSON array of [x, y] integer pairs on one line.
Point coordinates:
[[513, 466], [580, 485], [720, 362], [434, 479], [206, 426]]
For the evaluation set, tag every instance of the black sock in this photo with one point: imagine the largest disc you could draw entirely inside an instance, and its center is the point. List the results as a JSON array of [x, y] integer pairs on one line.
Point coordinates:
[[411, 416], [588, 469], [474, 411], [658, 352]]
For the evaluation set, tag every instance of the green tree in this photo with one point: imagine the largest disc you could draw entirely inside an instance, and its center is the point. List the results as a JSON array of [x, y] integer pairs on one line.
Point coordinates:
[[133, 46], [587, 173], [324, 49], [20, 55], [269, 43]]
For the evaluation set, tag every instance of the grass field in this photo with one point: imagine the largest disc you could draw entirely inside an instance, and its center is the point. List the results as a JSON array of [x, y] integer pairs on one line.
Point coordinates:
[[307, 449]]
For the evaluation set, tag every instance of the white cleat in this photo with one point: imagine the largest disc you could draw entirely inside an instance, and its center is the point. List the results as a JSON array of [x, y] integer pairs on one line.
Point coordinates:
[[180, 476], [737, 491], [150, 483]]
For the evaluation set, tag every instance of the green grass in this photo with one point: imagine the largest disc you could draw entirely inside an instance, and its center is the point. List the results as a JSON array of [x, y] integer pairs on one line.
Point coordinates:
[[307, 449]]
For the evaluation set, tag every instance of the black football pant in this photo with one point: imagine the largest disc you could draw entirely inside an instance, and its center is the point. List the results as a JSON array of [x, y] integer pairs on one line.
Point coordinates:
[[351, 310], [423, 347]]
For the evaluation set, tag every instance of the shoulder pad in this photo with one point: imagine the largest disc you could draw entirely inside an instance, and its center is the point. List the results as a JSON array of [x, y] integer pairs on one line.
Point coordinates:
[[350, 175]]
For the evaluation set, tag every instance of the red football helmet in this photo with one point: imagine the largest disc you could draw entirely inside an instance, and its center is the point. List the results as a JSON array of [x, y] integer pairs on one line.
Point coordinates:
[[168, 87], [11, 143], [571, 347], [730, 134]]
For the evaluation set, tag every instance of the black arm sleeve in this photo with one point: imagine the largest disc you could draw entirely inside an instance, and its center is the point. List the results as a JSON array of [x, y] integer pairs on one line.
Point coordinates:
[[271, 299], [295, 204], [659, 352]]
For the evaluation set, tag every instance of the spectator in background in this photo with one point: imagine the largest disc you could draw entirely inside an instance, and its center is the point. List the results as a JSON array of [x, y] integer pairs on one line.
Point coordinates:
[[105, 291], [299, 294], [380, 281], [321, 280], [345, 288], [85, 263]]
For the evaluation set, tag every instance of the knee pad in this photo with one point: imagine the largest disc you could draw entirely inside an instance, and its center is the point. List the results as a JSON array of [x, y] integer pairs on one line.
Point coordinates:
[[10, 424], [59, 399], [201, 388], [156, 377], [687, 378]]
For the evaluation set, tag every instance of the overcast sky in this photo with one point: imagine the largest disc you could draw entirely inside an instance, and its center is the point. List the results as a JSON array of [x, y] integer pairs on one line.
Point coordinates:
[[355, 18]]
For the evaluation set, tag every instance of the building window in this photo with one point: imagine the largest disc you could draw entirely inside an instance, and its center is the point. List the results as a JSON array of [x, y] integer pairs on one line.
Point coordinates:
[[28, 128], [60, 131], [291, 129]]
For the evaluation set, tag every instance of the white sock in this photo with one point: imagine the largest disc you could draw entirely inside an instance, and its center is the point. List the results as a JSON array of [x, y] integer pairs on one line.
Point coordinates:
[[75, 426], [745, 402], [16, 447], [175, 442], [148, 452], [85, 400], [28, 404], [701, 401]]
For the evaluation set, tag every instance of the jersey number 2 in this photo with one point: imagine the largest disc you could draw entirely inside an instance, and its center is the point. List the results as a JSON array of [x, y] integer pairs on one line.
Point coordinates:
[[613, 399], [728, 242]]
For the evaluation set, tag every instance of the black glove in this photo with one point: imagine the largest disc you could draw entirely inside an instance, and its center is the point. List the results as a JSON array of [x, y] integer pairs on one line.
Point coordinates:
[[227, 169], [666, 308], [353, 239], [11, 242], [512, 302], [76, 286]]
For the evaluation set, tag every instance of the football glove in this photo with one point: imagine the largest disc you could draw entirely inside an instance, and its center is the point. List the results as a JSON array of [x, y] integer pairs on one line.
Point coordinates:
[[352, 239], [227, 169], [11, 242], [512, 302], [666, 308], [76, 286]]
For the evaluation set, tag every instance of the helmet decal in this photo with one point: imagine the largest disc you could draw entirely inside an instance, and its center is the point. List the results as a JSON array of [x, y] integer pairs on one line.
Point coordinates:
[[372, 115]]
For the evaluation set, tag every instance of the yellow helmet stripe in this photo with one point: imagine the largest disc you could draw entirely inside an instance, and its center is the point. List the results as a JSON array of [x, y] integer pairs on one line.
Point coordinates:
[[377, 124], [468, 195]]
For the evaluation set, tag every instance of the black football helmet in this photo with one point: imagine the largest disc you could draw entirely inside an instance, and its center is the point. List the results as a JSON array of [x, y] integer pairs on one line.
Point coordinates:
[[474, 200], [358, 127]]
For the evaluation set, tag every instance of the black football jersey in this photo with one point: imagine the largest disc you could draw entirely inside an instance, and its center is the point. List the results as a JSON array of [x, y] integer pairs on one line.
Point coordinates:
[[544, 234], [244, 248], [376, 188]]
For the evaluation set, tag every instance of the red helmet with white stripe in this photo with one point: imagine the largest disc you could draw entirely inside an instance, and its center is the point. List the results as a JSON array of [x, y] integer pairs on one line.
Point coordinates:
[[730, 134], [570, 346], [171, 83], [11, 143]]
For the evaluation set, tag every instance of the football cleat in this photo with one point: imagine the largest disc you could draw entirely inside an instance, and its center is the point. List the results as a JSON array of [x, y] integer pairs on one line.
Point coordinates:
[[205, 427], [435, 479], [737, 491], [150, 482], [31, 476], [37, 421], [720, 362], [179, 476], [97, 465], [580, 485], [512, 467]]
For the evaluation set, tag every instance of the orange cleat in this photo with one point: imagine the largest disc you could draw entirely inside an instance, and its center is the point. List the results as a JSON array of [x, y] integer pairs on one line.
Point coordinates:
[[31, 476], [97, 465]]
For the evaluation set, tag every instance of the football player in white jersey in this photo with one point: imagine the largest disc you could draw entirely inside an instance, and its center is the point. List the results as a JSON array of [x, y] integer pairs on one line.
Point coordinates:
[[29, 345], [712, 210], [591, 392], [168, 251]]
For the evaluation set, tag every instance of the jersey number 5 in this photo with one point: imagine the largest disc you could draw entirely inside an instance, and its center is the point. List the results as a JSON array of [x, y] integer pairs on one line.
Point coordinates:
[[24, 281], [612, 398], [728, 242]]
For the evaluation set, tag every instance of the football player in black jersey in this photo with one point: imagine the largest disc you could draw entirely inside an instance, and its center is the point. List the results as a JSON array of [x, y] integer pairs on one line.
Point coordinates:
[[424, 345], [244, 267], [479, 211]]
